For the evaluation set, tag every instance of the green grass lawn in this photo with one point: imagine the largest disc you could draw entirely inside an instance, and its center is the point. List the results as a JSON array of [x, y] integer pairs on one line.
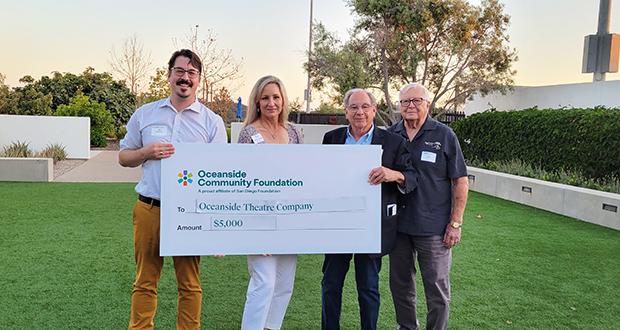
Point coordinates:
[[66, 262]]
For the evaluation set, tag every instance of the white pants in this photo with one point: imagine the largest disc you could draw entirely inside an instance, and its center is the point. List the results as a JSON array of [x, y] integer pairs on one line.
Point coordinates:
[[269, 291]]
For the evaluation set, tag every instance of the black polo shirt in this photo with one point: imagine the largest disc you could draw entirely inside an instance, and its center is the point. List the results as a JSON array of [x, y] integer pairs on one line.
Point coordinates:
[[436, 154]]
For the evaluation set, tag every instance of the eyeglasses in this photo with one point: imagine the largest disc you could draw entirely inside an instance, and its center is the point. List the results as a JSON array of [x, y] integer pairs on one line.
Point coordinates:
[[416, 101], [355, 107], [180, 72]]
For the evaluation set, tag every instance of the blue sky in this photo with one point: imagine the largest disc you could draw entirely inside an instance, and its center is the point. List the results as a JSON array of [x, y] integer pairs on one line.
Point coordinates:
[[271, 36]]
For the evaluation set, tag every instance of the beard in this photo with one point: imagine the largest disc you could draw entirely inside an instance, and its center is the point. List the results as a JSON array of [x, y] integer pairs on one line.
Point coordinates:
[[186, 84]]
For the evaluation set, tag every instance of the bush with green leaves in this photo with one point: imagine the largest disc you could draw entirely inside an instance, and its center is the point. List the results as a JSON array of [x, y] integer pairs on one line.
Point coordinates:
[[586, 141], [45, 95], [120, 132], [569, 177], [17, 149], [55, 151], [101, 122]]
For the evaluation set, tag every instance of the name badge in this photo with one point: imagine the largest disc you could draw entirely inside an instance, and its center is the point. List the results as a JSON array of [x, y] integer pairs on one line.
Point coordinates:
[[428, 156], [159, 131], [257, 138]]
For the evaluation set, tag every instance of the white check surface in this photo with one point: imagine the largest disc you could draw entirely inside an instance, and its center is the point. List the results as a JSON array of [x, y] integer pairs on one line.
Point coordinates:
[[278, 199]]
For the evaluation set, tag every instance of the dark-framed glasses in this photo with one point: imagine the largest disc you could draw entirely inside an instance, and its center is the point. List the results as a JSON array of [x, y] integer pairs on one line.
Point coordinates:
[[416, 101], [180, 72], [355, 107]]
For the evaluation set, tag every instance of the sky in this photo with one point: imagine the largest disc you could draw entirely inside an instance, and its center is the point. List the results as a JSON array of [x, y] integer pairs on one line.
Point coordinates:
[[270, 36]]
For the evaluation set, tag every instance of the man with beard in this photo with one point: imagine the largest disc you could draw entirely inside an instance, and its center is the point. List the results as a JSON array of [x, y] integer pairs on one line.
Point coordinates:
[[151, 133]]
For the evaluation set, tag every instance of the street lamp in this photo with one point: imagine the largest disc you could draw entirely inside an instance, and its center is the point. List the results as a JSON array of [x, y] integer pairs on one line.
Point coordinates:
[[308, 93]]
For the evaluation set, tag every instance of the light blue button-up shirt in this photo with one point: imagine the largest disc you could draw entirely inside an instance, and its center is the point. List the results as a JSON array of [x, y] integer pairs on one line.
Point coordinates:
[[365, 139], [160, 122]]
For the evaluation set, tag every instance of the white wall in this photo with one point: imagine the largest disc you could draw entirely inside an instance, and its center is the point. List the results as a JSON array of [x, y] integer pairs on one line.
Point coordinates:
[[72, 132], [582, 95], [576, 202], [312, 134]]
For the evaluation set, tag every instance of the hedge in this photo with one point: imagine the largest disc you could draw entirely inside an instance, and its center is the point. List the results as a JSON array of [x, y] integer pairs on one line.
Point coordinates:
[[585, 140]]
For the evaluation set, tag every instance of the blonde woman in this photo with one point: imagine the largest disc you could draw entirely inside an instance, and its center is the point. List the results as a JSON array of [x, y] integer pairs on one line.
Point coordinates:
[[271, 276]]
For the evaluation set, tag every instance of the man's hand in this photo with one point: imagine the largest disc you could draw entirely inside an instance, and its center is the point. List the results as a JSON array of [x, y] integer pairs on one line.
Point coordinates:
[[157, 151], [452, 236], [383, 174], [135, 157]]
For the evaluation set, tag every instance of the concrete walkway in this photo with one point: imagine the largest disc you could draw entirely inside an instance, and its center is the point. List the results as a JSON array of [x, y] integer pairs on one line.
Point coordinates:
[[102, 167]]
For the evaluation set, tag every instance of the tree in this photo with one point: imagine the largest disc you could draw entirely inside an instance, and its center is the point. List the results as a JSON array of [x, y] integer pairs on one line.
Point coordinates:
[[101, 122], [33, 102], [159, 87], [338, 66], [223, 105], [295, 105], [99, 87], [25, 100], [220, 67], [132, 63], [330, 108], [8, 99], [452, 47], [44, 96]]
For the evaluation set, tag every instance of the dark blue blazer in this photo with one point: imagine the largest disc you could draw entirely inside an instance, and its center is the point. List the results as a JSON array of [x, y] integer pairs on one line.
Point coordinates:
[[395, 156]]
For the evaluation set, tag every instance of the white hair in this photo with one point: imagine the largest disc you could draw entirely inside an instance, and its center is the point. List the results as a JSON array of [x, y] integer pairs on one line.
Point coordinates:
[[350, 92], [406, 88]]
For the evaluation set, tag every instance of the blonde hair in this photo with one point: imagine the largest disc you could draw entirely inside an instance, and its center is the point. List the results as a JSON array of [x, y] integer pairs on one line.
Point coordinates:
[[253, 112]]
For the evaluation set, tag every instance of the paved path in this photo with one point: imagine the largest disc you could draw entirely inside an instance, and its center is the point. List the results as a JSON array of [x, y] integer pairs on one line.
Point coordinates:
[[102, 167]]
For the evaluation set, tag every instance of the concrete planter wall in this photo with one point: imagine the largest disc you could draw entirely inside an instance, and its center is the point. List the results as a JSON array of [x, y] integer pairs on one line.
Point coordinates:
[[26, 169], [597, 207]]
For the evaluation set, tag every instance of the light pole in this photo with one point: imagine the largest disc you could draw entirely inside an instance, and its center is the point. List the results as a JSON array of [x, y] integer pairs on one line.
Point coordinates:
[[601, 50], [308, 94]]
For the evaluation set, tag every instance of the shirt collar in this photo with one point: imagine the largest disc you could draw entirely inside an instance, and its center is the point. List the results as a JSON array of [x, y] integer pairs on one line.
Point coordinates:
[[195, 106], [365, 139], [429, 124]]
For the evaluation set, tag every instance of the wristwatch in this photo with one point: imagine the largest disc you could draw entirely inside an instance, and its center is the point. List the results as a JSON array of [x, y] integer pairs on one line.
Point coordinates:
[[456, 225]]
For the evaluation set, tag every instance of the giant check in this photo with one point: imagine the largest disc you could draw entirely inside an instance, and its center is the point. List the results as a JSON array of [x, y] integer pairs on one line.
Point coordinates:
[[278, 199]]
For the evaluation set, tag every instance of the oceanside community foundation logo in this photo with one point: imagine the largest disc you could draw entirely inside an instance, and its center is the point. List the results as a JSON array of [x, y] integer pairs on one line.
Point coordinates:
[[185, 178]]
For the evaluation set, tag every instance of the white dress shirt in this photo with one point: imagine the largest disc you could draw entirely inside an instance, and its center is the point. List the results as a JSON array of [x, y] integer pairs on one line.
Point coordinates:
[[160, 122]]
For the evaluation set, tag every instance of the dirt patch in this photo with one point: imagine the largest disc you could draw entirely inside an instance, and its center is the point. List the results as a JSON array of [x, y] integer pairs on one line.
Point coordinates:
[[65, 166], [113, 144]]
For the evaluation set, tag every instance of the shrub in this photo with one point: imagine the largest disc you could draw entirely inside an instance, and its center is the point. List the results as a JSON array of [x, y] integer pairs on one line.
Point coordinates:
[[569, 177], [101, 122], [121, 131], [17, 149], [55, 151], [579, 140]]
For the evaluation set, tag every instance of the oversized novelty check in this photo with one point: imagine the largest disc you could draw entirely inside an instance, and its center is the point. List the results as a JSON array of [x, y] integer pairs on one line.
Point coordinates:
[[276, 199]]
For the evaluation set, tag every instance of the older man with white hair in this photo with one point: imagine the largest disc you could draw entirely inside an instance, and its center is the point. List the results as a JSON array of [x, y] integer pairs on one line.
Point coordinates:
[[396, 177], [430, 218]]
